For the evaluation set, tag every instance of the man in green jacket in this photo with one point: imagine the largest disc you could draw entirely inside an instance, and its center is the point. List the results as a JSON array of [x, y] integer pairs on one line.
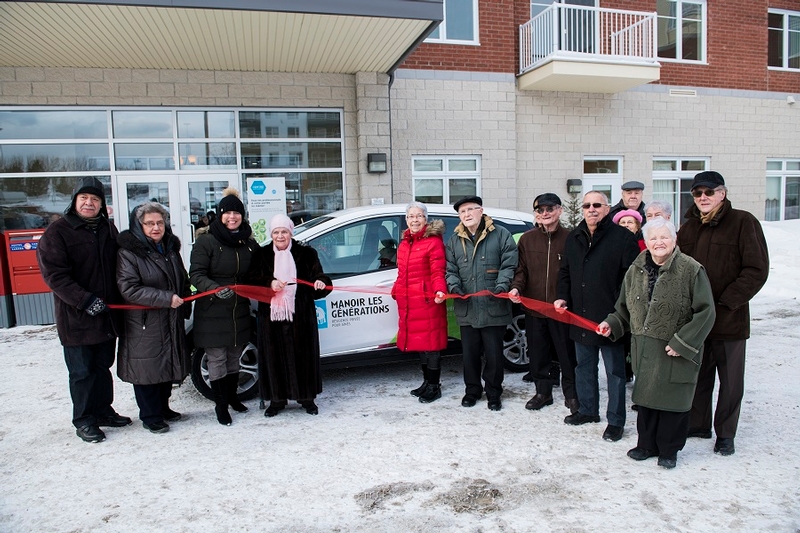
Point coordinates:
[[481, 256]]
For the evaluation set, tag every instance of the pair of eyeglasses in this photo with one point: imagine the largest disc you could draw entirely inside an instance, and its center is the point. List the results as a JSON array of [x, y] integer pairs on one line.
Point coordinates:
[[545, 209], [412, 217], [468, 209], [596, 205], [160, 224], [697, 193]]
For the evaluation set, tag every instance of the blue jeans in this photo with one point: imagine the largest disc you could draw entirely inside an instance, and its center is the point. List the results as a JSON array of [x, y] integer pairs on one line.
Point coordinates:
[[586, 380]]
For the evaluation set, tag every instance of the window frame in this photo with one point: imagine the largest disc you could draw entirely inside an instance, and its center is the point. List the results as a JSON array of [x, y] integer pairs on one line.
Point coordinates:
[[681, 200], [784, 38], [442, 29], [782, 175], [445, 175], [679, 33]]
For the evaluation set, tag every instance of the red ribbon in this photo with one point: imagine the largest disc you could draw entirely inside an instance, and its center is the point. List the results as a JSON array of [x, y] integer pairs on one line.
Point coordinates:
[[265, 294]]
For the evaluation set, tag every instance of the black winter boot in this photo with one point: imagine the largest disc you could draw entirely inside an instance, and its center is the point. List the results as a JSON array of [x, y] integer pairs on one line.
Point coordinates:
[[433, 390], [419, 390], [218, 386], [232, 384]]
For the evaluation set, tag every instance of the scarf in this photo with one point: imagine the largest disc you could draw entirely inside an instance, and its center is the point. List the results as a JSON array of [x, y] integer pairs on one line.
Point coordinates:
[[282, 304], [228, 238], [708, 217]]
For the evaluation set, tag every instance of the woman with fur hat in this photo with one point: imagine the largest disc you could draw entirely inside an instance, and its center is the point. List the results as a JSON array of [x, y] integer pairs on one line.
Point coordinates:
[[288, 339], [419, 290], [152, 344], [221, 256]]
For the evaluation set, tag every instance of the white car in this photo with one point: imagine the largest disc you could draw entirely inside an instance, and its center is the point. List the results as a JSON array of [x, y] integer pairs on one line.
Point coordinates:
[[357, 248]]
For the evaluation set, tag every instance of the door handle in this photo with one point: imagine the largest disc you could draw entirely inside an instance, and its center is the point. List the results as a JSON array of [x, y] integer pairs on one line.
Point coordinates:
[[191, 227]]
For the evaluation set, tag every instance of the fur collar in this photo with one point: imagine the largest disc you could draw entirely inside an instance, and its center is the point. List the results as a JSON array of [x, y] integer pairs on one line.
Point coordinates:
[[434, 227]]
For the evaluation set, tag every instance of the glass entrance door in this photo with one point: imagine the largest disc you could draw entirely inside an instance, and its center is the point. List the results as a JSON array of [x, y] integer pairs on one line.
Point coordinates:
[[187, 198]]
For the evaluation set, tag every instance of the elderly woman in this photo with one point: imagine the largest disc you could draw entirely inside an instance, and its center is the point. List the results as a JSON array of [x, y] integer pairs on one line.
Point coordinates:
[[288, 339], [631, 219], [152, 346], [667, 305], [221, 256], [419, 290]]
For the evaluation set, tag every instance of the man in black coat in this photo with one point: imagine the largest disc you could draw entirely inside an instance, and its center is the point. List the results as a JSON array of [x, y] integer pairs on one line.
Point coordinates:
[[596, 257], [632, 195], [78, 258]]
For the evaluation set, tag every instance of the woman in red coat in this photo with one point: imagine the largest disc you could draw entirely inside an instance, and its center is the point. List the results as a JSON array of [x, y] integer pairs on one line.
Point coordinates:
[[419, 290]]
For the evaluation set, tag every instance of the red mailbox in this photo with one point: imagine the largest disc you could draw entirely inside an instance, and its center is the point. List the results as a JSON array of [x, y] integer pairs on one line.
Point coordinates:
[[33, 301], [6, 309]]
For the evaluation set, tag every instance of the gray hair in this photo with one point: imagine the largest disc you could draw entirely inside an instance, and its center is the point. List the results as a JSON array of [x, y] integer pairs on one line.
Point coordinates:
[[152, 207], [656, 223], [418, 205], [605, 198], [666, 207]]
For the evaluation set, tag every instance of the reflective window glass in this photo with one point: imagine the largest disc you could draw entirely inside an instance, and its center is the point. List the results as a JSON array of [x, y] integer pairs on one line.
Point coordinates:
[[53, 125], [207, 155], [139, 193], [428, 165], [282, 124], [291, 155], [309, 194], [142, 124], [53, 157], [140, 156], [206, 124]]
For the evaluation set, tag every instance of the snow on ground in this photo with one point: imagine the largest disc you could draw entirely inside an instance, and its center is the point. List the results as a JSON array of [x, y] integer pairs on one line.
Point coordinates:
[[375, 459]]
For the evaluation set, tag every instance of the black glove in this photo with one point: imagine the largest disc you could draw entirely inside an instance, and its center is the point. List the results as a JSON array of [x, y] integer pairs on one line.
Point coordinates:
[[96, 306], [225, 293]]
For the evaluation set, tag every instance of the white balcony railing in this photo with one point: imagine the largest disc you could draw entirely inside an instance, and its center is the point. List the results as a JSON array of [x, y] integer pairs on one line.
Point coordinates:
[[564, 31]]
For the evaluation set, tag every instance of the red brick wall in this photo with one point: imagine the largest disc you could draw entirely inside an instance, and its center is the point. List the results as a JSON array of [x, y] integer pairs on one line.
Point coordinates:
[[736, 52]]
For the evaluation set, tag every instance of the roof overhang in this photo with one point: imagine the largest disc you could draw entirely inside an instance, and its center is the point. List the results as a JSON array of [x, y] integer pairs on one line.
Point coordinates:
[[342, 36], [588, 76]]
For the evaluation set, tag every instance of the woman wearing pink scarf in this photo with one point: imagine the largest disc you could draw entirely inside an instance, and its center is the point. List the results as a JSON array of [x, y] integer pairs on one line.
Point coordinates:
[[288, 341]]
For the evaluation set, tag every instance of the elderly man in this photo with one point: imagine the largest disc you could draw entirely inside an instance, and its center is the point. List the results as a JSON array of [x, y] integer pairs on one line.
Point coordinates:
[[730, 244], [78, 257], [658, 209], [540, 251], [632, 193], [480, 256], [596, 256]]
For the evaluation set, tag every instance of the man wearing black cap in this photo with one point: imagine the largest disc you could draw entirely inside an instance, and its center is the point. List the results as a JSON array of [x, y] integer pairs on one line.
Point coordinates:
[[78, 258], [730, 244], [536, 277], [480, 256], [632, 193]]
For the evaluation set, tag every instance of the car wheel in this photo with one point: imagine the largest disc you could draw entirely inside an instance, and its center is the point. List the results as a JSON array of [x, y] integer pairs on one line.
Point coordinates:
[[515, 346], [248, 373]]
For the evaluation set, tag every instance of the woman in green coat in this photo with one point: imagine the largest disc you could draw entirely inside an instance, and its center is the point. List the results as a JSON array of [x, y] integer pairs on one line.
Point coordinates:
[[666, 304]]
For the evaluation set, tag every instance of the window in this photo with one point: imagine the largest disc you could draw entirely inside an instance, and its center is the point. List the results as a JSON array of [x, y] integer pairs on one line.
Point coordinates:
[[672, 182], [784, 39], [445, 179], [783, 190], [460, 23], [682, 29], [603, 174], [361, 247]]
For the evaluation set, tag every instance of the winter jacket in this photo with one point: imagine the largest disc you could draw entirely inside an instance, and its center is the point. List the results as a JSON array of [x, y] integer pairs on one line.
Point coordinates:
[[487, 263], [733, 250], [540, 255], [420, 275], [288, 352], [591, 273], [79, 265], [220, 322], [152, 344], [679, 315]]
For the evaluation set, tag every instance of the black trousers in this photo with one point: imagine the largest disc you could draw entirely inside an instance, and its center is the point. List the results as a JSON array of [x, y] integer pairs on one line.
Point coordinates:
[[90, 383], [546, 338], [662, 431], [725, 358], [483, 347], [152, 400]]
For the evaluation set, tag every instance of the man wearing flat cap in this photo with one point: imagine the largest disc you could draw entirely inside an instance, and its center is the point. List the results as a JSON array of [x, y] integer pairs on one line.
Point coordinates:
[[632, 193], [730, 244], [480, 256], [540, 250]]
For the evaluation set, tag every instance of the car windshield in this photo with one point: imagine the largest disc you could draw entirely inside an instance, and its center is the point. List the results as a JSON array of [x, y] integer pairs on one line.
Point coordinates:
[[300, 228]]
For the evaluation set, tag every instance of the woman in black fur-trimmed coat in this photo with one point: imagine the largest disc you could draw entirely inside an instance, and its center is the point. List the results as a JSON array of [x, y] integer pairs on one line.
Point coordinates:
[[152, 347]]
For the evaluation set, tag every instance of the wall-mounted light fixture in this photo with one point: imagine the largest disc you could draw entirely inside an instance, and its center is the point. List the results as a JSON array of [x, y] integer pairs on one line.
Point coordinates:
[[376, 163], [790, 100], [574, 186]]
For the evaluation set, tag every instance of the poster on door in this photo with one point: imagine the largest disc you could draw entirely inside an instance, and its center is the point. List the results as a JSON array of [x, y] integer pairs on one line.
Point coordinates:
[[266, 197]]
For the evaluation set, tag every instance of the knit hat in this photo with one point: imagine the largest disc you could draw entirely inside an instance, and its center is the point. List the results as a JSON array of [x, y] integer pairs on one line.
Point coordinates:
[[627, 213], [281, 221], [230, 202]]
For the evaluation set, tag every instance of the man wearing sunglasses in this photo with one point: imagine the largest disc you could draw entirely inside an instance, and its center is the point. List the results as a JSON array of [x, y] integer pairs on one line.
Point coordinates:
[[596, 256], [730, 244], [540, 250]]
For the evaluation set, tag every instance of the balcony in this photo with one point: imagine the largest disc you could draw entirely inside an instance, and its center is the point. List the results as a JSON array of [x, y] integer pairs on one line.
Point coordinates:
[[587, 49]]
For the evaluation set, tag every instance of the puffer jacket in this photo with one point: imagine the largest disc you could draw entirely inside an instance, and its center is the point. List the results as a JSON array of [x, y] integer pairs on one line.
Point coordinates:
[[420, 274], [540, 254], [220, 322], [733, 250], [488, 263], [152, 345]]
